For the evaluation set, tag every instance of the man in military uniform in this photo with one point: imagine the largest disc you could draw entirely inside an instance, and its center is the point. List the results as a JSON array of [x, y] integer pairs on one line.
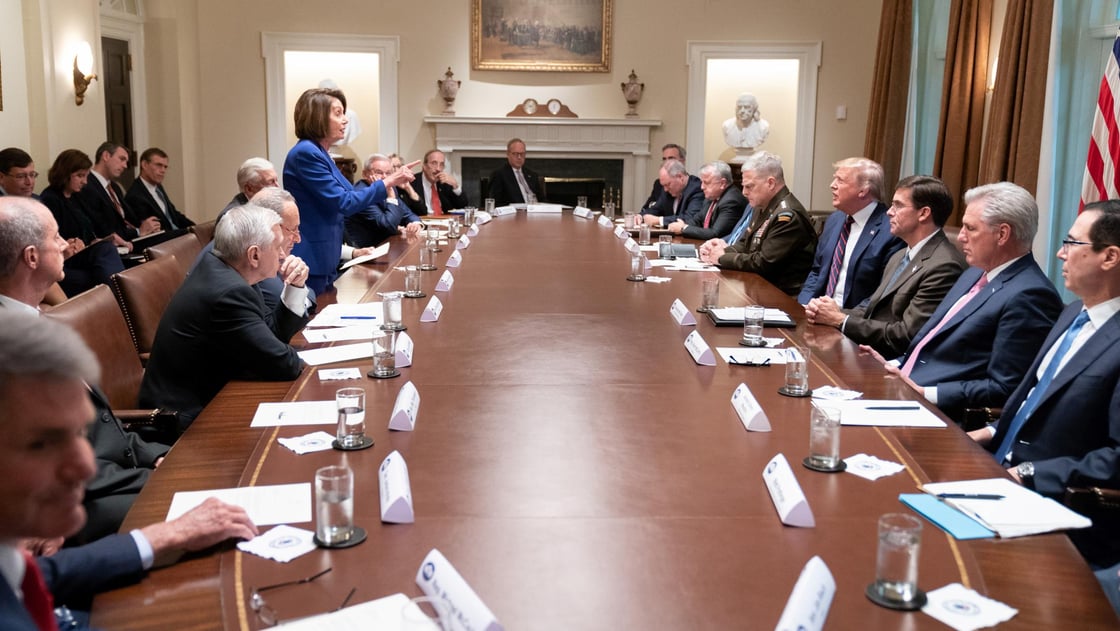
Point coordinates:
[[780, 243]]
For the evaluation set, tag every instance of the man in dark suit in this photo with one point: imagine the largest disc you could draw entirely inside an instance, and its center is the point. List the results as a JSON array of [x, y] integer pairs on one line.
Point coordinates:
[[670, 151], [216, 327], [976, 347], [723, 206], [512, 183], [856, 241], [449, 195], [385, 218], [147, 197], [1061, 426], [105, 199], [682, 196], [17, 173], [915, 280], [780, 241], [44, 462], [253, 175]]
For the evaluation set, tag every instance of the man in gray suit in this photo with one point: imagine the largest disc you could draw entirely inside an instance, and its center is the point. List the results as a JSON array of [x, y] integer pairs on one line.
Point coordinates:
[[915, 279]]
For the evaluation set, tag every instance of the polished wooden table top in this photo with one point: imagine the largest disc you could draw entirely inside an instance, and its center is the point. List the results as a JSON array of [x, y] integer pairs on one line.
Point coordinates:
[[581, 472]]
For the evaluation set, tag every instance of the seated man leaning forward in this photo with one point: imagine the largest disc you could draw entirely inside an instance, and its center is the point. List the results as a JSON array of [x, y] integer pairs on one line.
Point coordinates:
[[780, 242], [216, 328], [45, 461]]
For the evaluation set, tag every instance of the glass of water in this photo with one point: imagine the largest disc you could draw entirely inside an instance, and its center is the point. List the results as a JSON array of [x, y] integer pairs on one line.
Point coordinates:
[[334, 501], [754, 316], [896, 563], [351, 404], [384, 355], [797, 371], [824, 439]]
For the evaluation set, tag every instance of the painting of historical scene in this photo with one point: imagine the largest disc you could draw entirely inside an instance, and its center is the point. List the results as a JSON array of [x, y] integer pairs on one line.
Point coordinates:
[[548, 35]]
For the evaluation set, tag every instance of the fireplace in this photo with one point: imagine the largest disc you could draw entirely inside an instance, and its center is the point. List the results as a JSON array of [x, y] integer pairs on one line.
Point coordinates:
[[565, 178]]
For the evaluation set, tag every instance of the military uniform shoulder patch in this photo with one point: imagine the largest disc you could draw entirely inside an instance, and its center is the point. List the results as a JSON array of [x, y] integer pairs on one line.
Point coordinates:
[[784, 216]]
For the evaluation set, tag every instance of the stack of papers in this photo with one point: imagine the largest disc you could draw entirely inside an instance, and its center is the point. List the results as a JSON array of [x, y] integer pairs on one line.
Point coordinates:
[[1017, 512], [885, 413], [733, 316], [364, 314]]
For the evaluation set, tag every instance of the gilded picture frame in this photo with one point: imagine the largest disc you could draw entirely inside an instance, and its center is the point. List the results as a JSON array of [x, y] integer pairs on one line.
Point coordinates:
[[541, 35]]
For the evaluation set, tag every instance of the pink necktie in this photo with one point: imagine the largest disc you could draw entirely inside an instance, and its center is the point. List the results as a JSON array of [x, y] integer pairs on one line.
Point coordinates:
[[913, 359]]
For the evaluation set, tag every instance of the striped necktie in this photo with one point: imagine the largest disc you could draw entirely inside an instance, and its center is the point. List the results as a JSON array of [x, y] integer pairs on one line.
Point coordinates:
[[838, 256]]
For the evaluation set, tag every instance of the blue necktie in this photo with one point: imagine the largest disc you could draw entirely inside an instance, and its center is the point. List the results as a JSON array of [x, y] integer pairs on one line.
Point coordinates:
[[1040, 388], [741, 227], [898, 271]]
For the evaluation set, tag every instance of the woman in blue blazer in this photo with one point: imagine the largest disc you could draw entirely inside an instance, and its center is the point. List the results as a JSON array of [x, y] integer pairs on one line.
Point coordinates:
[[324, 196]]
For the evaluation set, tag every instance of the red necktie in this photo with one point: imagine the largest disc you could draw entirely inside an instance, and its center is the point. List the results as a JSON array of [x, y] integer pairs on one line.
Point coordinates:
[[961, 302], [116, 202], [838, 256], [437, 208], [36, 598], [708, 217]]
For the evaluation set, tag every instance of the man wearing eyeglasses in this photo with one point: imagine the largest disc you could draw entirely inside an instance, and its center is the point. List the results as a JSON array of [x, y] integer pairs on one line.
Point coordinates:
[[17, 173], [1061, 426], [383, 219], [45, 461], [976, 347]]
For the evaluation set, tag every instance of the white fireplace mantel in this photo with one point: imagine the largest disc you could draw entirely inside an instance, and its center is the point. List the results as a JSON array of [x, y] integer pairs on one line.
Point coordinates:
[[625, 139]]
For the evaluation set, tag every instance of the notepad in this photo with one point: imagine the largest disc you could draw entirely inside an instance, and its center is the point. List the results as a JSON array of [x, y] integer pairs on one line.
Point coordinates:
[[1021, 512], [945, 517]]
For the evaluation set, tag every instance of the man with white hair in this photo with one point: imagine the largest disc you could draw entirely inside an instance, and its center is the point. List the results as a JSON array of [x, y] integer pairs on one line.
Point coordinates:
[[253, 175], [383, 219], [781, 241], [217, 328]]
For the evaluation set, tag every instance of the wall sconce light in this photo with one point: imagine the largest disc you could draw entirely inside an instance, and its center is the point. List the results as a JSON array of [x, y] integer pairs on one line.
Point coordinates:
[[83, 72]]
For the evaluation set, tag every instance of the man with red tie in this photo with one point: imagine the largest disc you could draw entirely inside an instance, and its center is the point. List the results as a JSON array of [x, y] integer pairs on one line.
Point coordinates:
[[723, 205], [439, 189], [45, 460]]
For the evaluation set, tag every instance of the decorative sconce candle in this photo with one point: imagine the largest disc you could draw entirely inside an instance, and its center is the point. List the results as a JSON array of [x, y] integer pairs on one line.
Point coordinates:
[[83, 71]]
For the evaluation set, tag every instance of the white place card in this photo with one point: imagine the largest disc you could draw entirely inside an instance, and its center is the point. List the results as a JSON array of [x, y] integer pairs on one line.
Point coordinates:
[[544, 208], [404, 350], [603, 221], [396, 492], [631, 245], [808, 604], [405, 409], [621, 233], [580, 211], [482, 218], [786, 493], [699, 349], [472, 231], [748, 409], [502, 211], [463, 243], [437, 578], [455, 260], [681, 314], [287, 413], [431, 313], [446, 280]]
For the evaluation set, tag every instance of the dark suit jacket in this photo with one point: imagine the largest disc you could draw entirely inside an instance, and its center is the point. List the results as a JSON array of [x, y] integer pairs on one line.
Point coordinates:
[[325, 197], [448, 200], [874, 248], [981, 355], [70, 213], [377, 223], [692, 203], [216, 329], [892, 318], [728, 210], [504, 188], [106, 220], [124, 462], [654, 194], [778, 246], [1073, 436], [143, 205], [75, 575]]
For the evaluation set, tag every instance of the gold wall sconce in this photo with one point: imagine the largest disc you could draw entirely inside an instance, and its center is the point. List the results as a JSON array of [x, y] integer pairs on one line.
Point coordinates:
[[83, 72]]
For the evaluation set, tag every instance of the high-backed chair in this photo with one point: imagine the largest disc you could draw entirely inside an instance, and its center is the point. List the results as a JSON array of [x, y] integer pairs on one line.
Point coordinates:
[[185, 249], [97, 317], [204, 232], [143, 293]]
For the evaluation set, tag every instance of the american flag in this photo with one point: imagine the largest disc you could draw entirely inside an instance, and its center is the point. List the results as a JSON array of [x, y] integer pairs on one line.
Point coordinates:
[[1102, 179]]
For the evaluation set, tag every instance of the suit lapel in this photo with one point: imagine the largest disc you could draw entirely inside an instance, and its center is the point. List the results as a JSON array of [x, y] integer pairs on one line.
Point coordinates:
[[874, 225], [1102, 340]]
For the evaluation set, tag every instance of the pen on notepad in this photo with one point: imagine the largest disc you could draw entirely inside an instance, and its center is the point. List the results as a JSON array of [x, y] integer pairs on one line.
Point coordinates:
[[969, 496], [357, 317], [893, 407]]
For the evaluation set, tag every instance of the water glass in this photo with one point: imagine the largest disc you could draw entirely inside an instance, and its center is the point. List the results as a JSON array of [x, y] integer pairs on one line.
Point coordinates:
[[391, 309], [581, 201], [428, 255], [454, 228], [629, 219], [334, 504], [824, 437], [753, 320], [637, 266], [468, 216], [797, 370], [384, 354], [643, 232], [896, 563], [665, 246], [608, 210], [488, 205], [412, 282], [351, 405], [709, 293]]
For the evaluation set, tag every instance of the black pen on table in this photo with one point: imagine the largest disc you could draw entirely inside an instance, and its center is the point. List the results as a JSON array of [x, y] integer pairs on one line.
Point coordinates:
[[969, 496], [893, 407]]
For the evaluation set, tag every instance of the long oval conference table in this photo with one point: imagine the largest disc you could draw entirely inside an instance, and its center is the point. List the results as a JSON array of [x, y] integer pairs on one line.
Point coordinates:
[[582, 472]]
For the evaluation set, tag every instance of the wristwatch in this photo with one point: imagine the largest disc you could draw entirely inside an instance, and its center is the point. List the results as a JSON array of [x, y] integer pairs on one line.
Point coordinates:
[[1026, 472]]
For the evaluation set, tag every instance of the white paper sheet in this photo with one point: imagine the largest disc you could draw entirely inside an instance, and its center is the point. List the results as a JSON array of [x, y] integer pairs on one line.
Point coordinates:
[[295, 413], [886, 413], [360, 314], [332, 354], [339, 374], [378, 252], [266, 505], [339, 334], [748, 355], [1021, 511], [383, 614]]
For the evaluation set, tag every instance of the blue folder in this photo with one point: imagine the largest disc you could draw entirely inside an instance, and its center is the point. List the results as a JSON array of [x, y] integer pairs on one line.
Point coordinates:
[[946, 517]]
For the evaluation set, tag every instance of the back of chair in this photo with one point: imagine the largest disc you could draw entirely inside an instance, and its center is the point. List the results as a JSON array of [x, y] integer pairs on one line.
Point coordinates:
[[185, 249], [97, 317], [204, 231], [143, 292]]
